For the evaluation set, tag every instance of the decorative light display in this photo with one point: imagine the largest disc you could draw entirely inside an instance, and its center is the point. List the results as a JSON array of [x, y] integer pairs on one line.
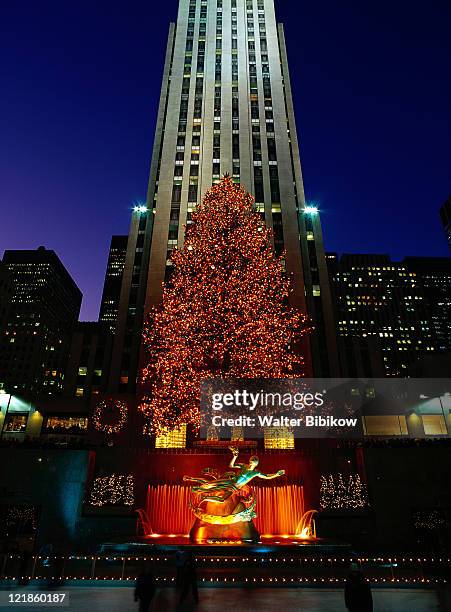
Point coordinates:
[[224, 311], [18, 519], [110, 416], [279, 437], [113, 490], [429, 520], [175, 438], [338, 492]]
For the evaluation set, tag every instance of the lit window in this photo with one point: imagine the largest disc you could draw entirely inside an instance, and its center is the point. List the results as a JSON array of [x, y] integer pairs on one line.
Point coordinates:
[[434, 425], [16, 423], [79, 392], [388, 425], [82, 371], [66, 425]]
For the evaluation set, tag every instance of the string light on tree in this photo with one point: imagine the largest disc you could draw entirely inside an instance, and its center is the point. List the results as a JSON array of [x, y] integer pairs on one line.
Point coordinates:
[[113, 490], [338, 493], [224, 311], [429, 519], [110, 416]]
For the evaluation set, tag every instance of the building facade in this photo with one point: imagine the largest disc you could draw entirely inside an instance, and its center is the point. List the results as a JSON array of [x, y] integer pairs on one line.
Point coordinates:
[[44, 309], [445, 216], [89, 359], [6, 293], [390, 315], [225, 107], [109, 305], [434, 276]]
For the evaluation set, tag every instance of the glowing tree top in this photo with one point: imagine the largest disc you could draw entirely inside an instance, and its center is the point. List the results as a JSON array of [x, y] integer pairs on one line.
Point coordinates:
[[224, 311]]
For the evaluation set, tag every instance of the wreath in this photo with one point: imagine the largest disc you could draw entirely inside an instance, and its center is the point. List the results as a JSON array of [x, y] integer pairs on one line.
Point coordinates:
[[113, 408]]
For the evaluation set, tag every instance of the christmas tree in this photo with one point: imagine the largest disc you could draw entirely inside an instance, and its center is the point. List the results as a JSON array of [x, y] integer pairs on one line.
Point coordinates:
[[224, 311]]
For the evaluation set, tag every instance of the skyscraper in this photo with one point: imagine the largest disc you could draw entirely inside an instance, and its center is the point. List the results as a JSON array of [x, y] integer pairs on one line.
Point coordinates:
[[45, 305], [445, 216], [6, 292], [390, 314], [109, 306], [225, 107], [434, 276]]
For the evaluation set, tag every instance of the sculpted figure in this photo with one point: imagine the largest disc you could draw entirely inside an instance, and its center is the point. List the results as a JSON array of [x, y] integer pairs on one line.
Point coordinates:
[[221, 489]]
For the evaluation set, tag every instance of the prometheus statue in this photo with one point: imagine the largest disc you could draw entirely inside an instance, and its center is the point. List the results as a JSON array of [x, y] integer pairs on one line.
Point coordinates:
[[226, 499]]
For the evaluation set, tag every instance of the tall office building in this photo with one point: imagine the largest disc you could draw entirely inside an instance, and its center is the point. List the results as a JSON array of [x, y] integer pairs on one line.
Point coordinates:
[[434, 276], [445, 216], [225, 107], [390, 315], [6, 292], [34, 341], [109, 305]]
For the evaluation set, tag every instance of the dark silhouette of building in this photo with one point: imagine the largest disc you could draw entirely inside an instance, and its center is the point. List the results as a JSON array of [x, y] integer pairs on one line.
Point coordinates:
[[109, 305], [89, 359], [35, 338], [6, 293], [445, 216]]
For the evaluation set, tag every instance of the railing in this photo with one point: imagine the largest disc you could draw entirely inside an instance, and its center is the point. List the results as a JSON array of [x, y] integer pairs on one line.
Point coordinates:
[[277, 569]]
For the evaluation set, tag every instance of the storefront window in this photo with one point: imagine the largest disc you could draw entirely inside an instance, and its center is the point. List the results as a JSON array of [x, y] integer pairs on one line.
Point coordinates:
[[68, 425], [16, 423], [388, 425], [434, 425]]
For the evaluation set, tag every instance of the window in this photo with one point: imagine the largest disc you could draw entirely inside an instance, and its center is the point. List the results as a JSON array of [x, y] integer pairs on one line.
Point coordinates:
[[16, 423], [82, 371], [434, 425], [388, 425], [68, 425], [272, 155], [192, 193], [176, 193]]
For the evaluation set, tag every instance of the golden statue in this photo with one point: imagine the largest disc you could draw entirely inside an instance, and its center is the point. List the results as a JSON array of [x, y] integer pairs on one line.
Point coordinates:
[[228, 498]]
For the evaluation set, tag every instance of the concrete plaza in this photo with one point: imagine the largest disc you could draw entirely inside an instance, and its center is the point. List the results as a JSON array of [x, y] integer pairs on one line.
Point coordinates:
[[120, 599]]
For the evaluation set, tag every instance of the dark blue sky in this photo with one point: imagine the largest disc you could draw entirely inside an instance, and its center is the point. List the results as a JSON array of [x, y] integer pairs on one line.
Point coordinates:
[[80, 84]]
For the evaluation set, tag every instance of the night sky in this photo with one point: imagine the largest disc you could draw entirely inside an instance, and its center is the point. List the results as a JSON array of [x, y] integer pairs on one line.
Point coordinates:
[[80, 84]]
